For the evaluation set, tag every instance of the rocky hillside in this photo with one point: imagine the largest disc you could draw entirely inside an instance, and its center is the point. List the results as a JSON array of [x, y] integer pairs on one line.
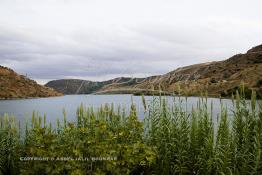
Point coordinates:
[[216, 78], [219, 78], [13, 85]]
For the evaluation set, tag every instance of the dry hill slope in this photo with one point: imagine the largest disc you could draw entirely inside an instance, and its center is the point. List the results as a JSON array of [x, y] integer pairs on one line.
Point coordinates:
[[13, 85], [219, 78]]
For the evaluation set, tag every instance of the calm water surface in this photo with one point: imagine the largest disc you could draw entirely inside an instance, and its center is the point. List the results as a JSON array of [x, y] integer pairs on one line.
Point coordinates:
[[22, 109]]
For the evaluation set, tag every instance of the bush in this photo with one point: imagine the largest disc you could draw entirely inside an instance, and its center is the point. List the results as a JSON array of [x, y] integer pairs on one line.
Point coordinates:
[[213, 80], [259, 83]]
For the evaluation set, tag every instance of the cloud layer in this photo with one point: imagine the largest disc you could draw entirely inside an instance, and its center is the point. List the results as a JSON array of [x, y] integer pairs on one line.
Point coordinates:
[[99, 39]]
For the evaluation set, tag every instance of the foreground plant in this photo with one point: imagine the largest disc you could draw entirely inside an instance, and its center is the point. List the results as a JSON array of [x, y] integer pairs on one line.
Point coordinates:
[[170, 140]]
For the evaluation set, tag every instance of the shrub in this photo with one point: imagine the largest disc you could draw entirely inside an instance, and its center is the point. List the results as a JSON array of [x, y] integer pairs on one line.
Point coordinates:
[[213, 80], [259, 83]]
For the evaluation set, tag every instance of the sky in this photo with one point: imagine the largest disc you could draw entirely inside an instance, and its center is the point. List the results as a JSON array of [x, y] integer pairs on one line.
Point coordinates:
[[103, 39]]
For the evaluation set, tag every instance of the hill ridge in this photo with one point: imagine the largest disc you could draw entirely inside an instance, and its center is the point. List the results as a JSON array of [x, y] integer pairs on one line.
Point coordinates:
[[218, 78]]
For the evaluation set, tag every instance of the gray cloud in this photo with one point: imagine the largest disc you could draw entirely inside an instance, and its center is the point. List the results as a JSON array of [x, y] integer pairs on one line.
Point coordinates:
[[104, 39]]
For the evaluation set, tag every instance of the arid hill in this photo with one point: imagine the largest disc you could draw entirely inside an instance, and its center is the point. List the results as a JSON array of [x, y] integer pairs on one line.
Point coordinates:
[[219, 78], [216, 78], [13, 85]]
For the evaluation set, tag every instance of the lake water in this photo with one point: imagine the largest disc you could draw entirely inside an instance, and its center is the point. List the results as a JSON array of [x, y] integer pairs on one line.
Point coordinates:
[[22, 109]]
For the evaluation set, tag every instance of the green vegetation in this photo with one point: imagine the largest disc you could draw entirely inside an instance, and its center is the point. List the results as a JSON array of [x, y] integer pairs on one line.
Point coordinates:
[[169, 141], [259, 83], [247, 92]]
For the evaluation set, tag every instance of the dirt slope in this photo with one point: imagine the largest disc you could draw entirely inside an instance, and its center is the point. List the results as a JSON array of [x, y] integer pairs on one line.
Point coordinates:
[[13, 85]]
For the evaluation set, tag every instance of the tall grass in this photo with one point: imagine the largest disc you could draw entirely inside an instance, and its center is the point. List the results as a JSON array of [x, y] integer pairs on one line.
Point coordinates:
[[170, 140]]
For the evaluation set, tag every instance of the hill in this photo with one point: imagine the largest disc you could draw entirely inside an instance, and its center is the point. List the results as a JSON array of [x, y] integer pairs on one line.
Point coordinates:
[[219, 78], [76, 86], [13, 85]]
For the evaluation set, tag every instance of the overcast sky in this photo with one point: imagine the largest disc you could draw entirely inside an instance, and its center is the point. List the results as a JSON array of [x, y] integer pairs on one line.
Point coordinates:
[[103, 39]]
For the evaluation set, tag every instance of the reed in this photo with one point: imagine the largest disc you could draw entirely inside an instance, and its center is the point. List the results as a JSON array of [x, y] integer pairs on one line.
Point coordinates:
[[170, 140]]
